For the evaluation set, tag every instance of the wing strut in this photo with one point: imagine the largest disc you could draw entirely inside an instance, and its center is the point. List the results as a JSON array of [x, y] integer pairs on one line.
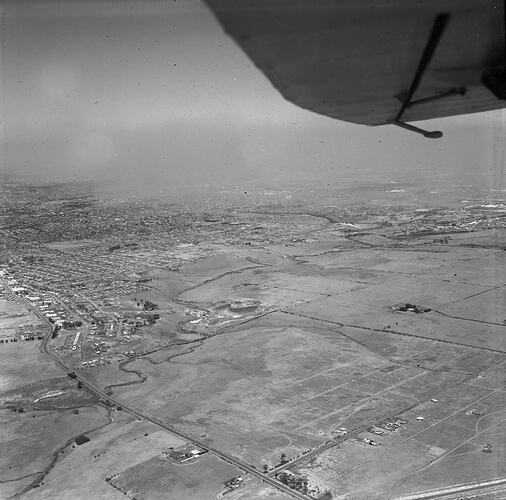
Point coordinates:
[[407, 100]]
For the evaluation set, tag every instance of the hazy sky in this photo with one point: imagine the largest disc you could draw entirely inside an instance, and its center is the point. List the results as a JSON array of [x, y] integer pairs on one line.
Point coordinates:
[[126, 90]]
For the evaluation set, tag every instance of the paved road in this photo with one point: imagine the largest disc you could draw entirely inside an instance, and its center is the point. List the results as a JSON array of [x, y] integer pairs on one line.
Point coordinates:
[[153, 420], [465, 491], [143, 416], [377, 419]]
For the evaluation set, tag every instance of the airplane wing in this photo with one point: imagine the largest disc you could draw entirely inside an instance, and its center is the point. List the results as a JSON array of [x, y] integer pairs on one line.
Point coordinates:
[[366, 61]]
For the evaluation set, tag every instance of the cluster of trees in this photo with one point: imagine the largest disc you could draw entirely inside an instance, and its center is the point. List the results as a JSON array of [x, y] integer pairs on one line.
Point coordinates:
[[70, 324], [283, 460], [295, 482], [147, 305], [412, 308], [150, 306]]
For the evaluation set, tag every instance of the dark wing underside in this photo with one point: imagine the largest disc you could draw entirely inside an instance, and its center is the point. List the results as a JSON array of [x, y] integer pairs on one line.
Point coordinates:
[[352, 59]]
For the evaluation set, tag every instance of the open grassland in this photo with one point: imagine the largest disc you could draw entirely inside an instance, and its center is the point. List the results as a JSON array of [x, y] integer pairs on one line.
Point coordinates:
[[331, 354], [324, 360], [82, 471], [259, 491], [287, 385], [12, 315], [201, 479], [23, 362], [31, 440], [444, 448], [41, 411]]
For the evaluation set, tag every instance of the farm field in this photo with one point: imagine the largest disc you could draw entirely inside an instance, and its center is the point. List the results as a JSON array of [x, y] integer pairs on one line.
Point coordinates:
[[41, 410], [444, 448], [304, 365], [333, 354], [90, 469]]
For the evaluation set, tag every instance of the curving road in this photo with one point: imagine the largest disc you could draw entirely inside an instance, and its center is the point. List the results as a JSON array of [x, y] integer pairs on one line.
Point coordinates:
[[153, 420], [268, 478]]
